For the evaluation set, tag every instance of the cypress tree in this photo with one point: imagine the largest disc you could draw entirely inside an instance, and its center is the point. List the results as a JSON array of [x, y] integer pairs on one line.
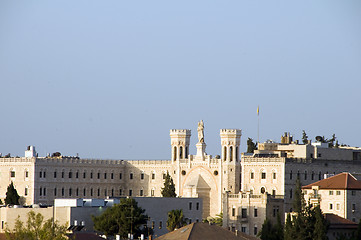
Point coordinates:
[[169, 189], [12, 196], [304, 137], [321, 226], [298, 201], [251, 146]]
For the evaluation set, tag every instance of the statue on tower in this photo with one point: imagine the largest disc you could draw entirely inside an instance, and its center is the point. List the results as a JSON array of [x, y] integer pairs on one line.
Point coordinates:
[[200, 131]]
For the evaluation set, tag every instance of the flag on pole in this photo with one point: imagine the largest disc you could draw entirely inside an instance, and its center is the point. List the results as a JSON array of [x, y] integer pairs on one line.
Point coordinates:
[[258, 110]]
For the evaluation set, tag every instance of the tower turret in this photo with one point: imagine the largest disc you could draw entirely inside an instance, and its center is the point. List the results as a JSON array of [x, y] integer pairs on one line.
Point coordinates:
[[230, 141], [180, 139]]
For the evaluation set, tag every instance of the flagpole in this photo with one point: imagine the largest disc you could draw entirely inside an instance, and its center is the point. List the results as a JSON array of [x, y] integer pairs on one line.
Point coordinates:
[[258, 125]]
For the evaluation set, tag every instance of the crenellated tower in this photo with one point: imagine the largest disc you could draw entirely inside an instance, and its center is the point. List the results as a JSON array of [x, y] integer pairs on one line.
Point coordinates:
[[180, 139], [231, 141]]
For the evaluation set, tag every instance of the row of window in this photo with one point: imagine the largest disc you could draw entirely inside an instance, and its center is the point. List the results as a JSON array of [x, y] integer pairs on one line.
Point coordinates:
[[42, 174], [93, 192], [263, 175]]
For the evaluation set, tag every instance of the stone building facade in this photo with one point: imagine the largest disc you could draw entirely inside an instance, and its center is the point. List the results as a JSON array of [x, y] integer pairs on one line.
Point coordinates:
[[272, 170]]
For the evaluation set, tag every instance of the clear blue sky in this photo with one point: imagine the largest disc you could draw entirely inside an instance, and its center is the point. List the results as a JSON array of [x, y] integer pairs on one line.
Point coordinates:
[[109, 79]]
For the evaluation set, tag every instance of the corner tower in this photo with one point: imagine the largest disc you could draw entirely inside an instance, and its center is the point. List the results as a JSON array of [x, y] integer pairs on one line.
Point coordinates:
[[180, 139], [230, 141]]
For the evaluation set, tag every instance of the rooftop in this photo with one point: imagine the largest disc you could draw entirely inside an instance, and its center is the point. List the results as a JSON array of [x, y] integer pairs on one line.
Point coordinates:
[[343, 181]]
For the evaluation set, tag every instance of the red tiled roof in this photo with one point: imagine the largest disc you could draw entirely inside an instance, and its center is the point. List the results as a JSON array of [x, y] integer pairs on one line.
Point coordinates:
[[339, 181], [339, 222]]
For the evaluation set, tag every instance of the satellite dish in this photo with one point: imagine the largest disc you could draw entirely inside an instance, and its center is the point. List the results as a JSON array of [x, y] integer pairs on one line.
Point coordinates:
[[319, 138]]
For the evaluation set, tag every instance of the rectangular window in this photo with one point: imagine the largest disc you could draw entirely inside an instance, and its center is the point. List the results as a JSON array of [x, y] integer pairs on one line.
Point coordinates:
[[353, 207], [263, 175], [130, 192], [190, 206], [12, 174], [252, 175], [331, 206], [131, 176], [338, 192], [40, 174], [91, 192], [41, 191], [26, 192], [337, 206], [244, 212], [111, 175], [91, 175], [26, 174], [197, 206], [62, 192], [153, 176], [70, 174], [120, 175], [62, 174], [105, 175], [233, 211], [98, 192], [160, 224], [152, 193], [142, 176], [120, 192], [141, 192], [274, 175], [330, 192], [275, 210], [70, 192], [44, 191], [84, 174], [243, 229], [255, 231], [77, 175], [98, 175], [54, 174], [255, 212], [44, 174], [84, 192]]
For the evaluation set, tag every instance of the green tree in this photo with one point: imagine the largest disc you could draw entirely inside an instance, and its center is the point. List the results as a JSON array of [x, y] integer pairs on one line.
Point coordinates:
[[270, 231], [299, 200], [218, 220], [175, 219], [12, 196], [304, 137], [36, 229], [288, 230], [321, 225], [169, 188], [123, 218], [251, 146]]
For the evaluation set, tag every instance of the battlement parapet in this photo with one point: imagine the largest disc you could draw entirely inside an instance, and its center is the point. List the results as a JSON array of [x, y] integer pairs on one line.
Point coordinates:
[[231, 131]]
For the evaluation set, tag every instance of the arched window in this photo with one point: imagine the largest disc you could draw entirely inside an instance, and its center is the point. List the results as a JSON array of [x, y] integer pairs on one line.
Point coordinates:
[[252, 174], [224, 153], [230, 153], [180, 152], [237, 153], [263, 190], [263, 174], [175, 153], [186, 152], [305, 175]]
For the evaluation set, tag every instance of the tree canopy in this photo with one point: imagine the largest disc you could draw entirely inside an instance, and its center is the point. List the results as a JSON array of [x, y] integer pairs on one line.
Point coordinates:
[[12, 196], [169, 188], [123, 218], [304, 137], [251, 146], [270, 231], [35, 229], [307, 223], [175, 219]]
